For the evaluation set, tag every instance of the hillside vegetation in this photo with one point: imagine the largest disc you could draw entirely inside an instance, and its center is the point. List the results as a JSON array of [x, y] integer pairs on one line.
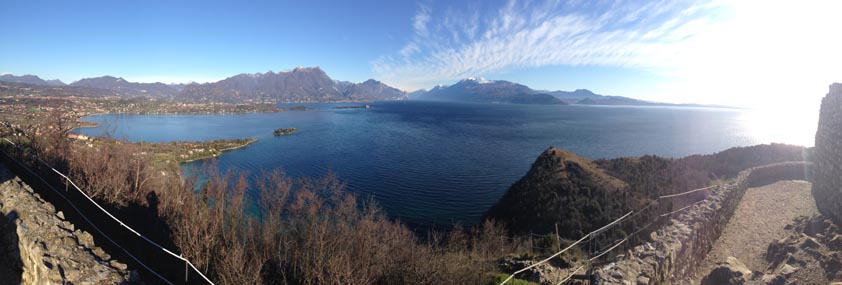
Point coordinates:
[[303, 231]]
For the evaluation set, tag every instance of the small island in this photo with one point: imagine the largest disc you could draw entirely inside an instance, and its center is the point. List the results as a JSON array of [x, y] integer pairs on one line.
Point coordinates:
[[283, 132]]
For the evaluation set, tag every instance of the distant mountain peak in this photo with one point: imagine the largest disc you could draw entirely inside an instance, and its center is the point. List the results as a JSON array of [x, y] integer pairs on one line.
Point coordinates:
[[479, 80], [301, 84], [127, 88], [481, 90], [30, 79], [306, 69]]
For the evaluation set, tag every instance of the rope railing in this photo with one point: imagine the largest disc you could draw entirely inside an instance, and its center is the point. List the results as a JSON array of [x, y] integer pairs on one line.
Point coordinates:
[[685, 193], [613, 246], [546, 259], [683, 208], [133, 257], [570, 275]]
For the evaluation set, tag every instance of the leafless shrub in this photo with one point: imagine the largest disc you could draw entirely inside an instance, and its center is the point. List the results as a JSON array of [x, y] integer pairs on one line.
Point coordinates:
[[290, 231]]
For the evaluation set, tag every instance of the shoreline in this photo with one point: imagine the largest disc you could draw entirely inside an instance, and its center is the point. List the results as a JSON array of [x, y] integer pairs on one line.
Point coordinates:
[[221, 151]]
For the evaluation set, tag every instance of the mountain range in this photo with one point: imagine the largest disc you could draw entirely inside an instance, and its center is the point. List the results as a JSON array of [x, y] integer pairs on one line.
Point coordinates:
[[311, 84], [479, 90], [121, 86], [302, 84], [30, 79]]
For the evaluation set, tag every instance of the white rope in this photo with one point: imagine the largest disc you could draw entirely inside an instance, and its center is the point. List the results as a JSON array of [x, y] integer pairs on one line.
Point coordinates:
[[570, 275], [632, 213], [609, 250], [545, 260], [603, 228], [685, 193], [109, 215], [682, 209]]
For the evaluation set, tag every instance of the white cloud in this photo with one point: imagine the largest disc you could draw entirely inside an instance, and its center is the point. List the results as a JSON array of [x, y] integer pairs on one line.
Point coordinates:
[[535, 34], [421, 19], [743, 53]]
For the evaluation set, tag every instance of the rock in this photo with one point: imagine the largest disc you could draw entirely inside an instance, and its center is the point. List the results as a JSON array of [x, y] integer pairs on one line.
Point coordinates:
[[835, 243], [809, 242], [730, 272], [101, 254], [771, 279], [787, 269], [84, 238], [642, 280], [832, 265], [118, 265], [72, 274], [60, 215]]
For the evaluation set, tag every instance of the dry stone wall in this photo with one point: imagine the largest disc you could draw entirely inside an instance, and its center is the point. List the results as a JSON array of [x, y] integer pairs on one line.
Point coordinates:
[[676, 249], [38, 246], [827, 188]]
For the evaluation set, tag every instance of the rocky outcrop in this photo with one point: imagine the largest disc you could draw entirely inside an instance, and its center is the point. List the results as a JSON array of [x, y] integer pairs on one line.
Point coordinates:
[[811, 254], [565, 189], [675, 250], [40, 247], [827, 187]]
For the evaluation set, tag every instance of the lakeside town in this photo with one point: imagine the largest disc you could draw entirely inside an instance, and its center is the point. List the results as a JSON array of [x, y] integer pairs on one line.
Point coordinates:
[[34, 113]]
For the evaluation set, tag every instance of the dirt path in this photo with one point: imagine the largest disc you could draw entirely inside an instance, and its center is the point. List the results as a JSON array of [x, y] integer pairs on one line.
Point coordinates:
[[759, 220]]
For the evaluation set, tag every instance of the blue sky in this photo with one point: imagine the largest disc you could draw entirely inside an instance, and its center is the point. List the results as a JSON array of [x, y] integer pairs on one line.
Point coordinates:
[[740, 53]]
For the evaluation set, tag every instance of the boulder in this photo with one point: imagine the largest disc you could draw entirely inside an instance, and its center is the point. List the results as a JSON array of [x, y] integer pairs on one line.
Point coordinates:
[[730, 272]]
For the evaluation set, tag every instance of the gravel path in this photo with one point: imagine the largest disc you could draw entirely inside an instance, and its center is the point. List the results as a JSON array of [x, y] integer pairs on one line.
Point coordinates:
[[759, 220]]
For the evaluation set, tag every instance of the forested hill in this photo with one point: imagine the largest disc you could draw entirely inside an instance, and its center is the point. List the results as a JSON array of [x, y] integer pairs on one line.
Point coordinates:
[[580, 195]]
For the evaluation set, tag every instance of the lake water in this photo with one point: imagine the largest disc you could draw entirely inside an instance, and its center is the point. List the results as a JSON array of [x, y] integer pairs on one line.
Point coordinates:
[[435, 163]]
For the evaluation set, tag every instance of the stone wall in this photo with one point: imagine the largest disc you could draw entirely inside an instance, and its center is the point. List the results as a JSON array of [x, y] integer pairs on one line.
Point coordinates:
[[38, 246], [827, 188], [676, 249]]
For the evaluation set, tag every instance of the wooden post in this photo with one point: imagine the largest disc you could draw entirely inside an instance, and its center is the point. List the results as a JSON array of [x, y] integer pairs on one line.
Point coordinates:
[[531, 244], [502, 244], [186, 272]]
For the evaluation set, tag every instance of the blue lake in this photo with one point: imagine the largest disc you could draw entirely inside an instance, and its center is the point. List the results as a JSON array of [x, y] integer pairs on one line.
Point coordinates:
[[435, 163]]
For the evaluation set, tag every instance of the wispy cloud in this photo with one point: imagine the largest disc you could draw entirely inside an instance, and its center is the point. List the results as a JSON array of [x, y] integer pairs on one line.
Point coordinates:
[[451, 44]]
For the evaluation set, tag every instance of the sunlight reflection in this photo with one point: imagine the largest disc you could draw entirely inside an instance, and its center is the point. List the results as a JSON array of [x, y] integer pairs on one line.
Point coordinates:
[[788, 126]]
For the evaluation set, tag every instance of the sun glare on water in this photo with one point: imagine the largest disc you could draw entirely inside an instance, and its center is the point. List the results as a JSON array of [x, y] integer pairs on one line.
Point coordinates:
[[779, 125]]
